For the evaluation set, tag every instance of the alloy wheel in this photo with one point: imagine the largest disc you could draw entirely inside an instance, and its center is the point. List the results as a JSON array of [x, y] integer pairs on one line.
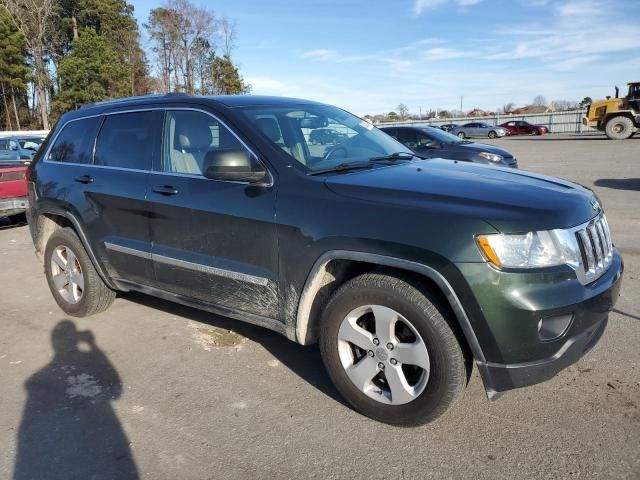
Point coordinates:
[[67, 274], [383, 354]]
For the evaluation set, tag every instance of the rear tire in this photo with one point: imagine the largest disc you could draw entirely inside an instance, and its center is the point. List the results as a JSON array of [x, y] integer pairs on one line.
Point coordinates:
[[462, 135], [392, 389], [76, 286], [619, 128]]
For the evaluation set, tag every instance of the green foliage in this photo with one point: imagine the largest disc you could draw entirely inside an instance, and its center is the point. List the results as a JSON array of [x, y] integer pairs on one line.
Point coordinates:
[[225, 77], [13, 68], [92, 71]]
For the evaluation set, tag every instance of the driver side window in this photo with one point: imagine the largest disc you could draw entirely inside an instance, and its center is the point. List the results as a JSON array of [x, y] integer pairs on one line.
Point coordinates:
[[189, 136]]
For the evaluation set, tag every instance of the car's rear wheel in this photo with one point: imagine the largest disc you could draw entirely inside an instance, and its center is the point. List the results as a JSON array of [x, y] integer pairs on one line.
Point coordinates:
[[390, 351], [492, 134], [76, 286], [619, 128], [462, 135]]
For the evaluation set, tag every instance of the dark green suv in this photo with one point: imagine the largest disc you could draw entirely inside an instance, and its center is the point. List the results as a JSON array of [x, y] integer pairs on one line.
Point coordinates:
[[407, 271]]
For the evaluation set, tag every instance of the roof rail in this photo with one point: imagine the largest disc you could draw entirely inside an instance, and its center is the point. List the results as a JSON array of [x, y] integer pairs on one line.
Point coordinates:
[[116, 101]]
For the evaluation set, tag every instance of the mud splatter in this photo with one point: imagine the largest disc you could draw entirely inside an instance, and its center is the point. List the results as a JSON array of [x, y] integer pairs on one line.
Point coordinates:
[[209, 337]]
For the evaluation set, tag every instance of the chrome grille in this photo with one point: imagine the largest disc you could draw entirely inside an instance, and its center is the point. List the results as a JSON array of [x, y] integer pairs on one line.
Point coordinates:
[[596, 249]]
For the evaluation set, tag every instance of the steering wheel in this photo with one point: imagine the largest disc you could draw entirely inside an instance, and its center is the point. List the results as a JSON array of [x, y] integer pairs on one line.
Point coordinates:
[[331, 153]]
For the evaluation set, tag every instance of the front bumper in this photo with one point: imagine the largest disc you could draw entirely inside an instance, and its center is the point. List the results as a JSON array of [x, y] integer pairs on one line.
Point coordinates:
[[13, 206], [515, 305]]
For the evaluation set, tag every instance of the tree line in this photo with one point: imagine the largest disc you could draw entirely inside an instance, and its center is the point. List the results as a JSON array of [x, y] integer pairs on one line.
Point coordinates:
[[56, 55]]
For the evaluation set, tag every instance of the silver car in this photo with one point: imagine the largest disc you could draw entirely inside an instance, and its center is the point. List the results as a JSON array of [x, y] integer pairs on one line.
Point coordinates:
[[479, 129]]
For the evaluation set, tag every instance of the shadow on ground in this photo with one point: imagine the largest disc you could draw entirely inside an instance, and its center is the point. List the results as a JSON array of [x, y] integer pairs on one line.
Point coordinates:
[[632, 184], [304, 361], [69, 429]]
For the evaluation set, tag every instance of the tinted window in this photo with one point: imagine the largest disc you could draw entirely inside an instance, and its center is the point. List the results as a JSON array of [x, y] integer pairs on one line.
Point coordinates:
[[189, 136], [75, 142], [129, 140], [4, 145]]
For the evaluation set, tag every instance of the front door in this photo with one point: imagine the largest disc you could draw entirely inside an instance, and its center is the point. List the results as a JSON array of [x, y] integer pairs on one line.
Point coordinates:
[[214, 241]]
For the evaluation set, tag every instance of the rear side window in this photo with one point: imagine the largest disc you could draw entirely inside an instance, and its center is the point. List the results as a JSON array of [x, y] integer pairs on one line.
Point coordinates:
[[129, 140], [75, 142]]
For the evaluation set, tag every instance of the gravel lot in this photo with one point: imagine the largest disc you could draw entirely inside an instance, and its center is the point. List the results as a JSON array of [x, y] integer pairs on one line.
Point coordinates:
[[167, 392]]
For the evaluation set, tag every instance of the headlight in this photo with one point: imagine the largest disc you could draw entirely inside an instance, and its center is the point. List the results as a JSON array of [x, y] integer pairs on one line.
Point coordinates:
[[492, 157], [530, 250]]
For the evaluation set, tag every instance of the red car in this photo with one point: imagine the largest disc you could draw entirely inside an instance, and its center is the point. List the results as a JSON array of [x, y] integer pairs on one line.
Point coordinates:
[[520, 127], [13, 189]]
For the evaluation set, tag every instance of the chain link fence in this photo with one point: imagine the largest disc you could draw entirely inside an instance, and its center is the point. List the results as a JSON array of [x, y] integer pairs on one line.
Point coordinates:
[[556, 122]]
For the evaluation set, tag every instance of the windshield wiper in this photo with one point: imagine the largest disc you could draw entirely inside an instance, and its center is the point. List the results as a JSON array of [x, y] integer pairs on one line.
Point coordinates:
[[342, 167], [394, 157]]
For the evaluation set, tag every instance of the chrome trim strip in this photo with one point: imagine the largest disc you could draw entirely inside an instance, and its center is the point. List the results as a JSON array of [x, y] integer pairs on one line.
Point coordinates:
[[220, 272], [45, 157], [130, 251], [197, 267]]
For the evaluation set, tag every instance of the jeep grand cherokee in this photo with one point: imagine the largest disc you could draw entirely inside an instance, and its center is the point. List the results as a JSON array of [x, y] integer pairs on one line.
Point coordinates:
[[405, 270]]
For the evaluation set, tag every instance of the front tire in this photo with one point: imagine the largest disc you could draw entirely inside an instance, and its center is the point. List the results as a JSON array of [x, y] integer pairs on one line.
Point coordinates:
[[619, 128], [492, 134], [462, 135], [76, 286], [389, 350]]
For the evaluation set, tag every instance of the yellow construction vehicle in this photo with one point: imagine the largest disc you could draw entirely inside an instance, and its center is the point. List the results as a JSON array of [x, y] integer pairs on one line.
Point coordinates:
[[618, 118]]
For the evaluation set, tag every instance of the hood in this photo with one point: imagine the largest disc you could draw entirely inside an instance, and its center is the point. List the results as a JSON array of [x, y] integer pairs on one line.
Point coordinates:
[[510, 200], [477, 148]]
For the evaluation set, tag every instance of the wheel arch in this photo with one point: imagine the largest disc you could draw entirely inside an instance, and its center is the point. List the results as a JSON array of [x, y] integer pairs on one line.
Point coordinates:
[[327, 270], [48, 220]]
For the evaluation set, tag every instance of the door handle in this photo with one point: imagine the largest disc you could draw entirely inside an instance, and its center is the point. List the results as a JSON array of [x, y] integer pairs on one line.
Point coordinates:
[[165, 190], [83, 179]]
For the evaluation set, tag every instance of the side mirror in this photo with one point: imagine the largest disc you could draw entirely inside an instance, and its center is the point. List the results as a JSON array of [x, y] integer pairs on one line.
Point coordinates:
[[233, 165], [432, 144]]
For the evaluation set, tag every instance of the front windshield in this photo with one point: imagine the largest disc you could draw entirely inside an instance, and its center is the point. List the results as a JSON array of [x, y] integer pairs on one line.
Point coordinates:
[[443, 137], [30, 143], [321, 137]]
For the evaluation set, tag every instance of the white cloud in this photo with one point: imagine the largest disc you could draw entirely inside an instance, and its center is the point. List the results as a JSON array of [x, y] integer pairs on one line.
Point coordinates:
[[442, 53], [420, 6], [321, 53]]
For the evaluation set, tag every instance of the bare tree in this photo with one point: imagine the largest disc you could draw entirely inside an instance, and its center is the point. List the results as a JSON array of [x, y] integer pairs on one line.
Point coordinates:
[[540, 101], [508, 107], [178, 30], [403, 110], [228, 34], [35, 19]]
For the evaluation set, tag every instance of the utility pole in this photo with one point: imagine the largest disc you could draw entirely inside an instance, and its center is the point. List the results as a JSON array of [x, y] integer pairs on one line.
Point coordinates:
[[461, 104]]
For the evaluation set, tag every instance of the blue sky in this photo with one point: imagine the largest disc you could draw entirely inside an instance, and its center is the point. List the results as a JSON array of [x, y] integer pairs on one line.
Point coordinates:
[[369, 56]]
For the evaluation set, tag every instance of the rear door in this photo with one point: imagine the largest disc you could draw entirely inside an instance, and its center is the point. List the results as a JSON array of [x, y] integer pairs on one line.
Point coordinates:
[[213, 240], [106, 181]]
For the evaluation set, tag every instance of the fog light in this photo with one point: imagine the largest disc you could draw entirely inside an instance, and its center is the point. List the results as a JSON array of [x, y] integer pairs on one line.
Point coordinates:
[[551, 328]]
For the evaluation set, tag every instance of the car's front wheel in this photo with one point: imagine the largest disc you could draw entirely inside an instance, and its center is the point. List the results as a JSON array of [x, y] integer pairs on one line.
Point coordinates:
[[390, 351], [461, 135], [492, 134], [76, 286]]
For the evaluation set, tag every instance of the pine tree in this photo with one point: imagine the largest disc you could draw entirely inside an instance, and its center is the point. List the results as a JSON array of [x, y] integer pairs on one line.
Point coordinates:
[[92, 71], [13, 70]]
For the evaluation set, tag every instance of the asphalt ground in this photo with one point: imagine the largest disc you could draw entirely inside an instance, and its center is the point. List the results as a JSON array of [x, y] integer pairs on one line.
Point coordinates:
[[155, 390]]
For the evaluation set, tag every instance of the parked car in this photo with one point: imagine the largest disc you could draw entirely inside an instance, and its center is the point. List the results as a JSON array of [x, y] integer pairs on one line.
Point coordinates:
[[479, 129], [13, 189], [325, 136], [430, 142], [447, 127], [404, 269], [520, 127], [19, 147]]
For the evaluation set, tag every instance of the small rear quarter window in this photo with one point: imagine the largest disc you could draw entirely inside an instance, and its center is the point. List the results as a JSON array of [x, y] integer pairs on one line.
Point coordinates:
[[74, 144]]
